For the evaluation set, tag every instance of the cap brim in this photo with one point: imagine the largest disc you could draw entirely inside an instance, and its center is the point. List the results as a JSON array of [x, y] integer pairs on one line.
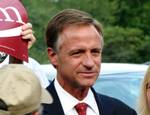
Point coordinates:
[[46, 97]]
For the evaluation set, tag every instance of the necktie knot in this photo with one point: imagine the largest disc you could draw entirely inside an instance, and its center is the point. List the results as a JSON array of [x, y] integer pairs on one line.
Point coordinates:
[[81, 108]]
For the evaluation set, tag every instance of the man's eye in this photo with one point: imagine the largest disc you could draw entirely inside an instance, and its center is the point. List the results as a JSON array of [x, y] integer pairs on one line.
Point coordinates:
[[76, 53], [96, 52]]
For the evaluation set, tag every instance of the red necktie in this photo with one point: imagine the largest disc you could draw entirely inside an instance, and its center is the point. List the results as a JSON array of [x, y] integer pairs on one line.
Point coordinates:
[[81, 108]]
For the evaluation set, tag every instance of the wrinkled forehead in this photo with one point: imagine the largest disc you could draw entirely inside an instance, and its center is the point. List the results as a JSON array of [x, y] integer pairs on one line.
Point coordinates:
[[79, 31]]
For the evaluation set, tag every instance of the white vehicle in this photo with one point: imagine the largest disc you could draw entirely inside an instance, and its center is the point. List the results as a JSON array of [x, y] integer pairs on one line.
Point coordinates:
[[119, 80]]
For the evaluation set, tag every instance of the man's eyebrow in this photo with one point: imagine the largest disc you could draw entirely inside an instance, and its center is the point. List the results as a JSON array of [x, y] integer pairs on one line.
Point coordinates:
[[76, 50], [100, 49]]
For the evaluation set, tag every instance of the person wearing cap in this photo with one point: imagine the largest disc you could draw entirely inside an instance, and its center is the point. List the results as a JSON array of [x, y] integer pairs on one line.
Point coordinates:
[[27, 34], [20, 91]]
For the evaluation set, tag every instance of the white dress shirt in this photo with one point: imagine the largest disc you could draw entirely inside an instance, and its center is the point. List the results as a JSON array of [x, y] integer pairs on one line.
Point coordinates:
[[68, 101], [35, 66]]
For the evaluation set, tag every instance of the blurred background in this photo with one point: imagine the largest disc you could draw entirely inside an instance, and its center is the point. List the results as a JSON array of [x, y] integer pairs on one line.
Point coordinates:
[[126, 26]]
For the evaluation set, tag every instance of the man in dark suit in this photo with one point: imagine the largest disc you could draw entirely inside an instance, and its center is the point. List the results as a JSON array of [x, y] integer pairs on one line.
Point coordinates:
[[75, 43]]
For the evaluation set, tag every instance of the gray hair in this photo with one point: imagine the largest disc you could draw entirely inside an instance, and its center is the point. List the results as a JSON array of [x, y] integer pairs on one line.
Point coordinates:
[[65, 18]]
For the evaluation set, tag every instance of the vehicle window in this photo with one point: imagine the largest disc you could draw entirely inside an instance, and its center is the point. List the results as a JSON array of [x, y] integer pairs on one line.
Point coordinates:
[[122, 86]]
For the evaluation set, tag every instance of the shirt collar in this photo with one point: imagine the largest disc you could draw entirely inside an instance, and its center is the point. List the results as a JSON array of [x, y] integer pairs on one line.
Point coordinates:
[[89, 99]]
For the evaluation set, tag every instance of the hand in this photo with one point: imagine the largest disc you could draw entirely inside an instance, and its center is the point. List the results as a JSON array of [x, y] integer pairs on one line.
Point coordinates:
[[27, 34]]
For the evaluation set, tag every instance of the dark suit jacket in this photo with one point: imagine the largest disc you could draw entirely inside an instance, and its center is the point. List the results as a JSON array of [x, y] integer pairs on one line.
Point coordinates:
[[106, 105]]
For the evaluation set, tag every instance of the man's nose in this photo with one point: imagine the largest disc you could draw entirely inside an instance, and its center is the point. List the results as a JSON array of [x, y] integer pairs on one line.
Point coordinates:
[[88, 61]]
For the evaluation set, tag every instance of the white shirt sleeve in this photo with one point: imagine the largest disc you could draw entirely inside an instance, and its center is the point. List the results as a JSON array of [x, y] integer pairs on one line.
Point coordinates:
[[35, 66]]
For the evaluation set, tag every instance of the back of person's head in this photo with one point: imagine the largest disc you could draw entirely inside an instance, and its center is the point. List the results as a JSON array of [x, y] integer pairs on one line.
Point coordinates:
[[66, 18], [143, 108], [20, 91]]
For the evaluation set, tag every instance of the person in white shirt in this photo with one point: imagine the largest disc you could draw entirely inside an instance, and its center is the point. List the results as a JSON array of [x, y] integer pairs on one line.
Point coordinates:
[[74, 44], [27, 33]]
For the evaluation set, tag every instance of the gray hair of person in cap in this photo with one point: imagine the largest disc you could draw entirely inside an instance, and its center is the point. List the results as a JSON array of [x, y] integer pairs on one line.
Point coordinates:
[[20, 91]]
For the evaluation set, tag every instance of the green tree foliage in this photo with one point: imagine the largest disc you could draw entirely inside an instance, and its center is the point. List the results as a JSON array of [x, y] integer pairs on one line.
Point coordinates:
[[39, 11], [134, 13], [126, 26], [122, 44], [102, 10]]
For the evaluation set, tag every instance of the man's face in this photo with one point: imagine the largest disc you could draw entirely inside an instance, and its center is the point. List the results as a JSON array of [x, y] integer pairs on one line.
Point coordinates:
[[78, 57]]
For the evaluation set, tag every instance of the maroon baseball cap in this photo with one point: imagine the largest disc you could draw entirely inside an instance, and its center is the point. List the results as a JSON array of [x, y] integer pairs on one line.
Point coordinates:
[[12, 16]]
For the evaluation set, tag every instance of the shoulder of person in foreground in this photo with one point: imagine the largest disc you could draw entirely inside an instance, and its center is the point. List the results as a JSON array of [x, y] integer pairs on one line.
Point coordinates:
[[115, 106], [20, 91], [35, 66]]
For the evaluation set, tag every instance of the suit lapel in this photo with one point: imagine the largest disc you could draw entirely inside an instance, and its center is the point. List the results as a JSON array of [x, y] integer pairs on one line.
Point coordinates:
[[98, 101]]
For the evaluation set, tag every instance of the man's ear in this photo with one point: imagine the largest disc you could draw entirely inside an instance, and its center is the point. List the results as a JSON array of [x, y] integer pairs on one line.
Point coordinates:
[[52, 56]]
